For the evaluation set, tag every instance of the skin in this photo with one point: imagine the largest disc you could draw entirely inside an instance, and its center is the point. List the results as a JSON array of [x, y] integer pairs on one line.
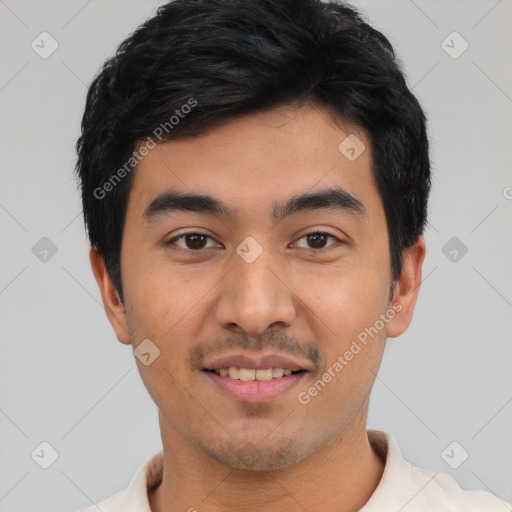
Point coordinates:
[[219, 453]]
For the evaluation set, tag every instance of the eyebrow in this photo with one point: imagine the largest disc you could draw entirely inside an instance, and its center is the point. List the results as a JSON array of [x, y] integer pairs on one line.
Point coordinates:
[[329, 199]]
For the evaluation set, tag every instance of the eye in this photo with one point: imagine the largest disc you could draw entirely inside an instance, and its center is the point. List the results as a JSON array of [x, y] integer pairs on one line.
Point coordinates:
[[318, 240], [196, 242], [192, 241]]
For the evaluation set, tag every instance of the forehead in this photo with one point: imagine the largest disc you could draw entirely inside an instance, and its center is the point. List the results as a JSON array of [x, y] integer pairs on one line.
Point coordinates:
[[260, 160]]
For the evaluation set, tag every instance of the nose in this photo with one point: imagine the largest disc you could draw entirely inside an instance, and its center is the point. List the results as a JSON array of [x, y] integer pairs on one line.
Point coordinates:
[[255, 297]]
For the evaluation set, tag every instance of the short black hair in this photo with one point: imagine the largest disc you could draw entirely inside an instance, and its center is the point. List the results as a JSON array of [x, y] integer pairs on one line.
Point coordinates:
[[198, 64]]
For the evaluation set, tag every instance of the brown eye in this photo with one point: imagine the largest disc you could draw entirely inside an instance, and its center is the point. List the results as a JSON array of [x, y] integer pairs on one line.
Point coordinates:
[[191, 241], [318, 240], [195, 241]]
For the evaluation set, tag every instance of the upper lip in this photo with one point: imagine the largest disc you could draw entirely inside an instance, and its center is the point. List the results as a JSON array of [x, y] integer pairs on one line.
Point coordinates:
[[256, 362]]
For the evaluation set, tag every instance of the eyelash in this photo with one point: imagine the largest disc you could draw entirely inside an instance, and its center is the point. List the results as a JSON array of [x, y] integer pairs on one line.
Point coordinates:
[[183, 235]]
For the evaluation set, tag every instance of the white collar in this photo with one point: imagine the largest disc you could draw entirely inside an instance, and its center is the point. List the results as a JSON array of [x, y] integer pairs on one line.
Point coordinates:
[[403, 487]]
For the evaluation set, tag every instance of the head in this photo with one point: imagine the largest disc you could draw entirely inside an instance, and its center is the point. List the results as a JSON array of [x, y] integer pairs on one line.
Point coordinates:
[[255, 178]]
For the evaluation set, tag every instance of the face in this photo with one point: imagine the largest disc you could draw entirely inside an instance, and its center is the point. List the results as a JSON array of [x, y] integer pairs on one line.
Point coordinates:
[[284, 268]]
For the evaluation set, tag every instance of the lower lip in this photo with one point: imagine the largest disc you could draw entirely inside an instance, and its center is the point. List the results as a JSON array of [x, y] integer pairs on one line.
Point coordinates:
[[255, 390]]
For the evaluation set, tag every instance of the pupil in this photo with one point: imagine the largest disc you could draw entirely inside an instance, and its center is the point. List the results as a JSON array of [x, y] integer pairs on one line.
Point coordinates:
[[317, 240], [198, 241]]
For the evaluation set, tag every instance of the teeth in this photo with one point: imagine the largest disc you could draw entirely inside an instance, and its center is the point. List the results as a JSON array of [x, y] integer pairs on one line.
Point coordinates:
[[248, 374], [245, 374], [264, 374]]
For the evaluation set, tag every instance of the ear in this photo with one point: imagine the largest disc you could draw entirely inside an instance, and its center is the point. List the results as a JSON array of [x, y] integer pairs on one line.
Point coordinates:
[[406, 288], [114, 308]]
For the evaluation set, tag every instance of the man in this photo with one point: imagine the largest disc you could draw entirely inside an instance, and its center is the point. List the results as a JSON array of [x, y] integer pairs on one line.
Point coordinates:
[[255, 178]]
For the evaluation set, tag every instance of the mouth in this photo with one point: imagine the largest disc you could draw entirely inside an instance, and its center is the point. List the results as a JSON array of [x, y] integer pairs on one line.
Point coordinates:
[[255, 376], [254, 385], [251, 374]]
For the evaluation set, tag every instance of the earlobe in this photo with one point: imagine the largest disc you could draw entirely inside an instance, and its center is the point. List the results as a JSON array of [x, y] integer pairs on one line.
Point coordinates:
[[406, 288], [114, 308]]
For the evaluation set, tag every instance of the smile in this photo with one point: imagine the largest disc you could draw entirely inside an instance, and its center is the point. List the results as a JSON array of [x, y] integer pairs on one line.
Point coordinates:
[[251, 385], [248, 374]]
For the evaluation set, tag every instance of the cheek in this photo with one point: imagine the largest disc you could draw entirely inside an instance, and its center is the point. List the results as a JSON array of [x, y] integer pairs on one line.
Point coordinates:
[[165, 309], [345, 315], [346, 299], [169, 303]]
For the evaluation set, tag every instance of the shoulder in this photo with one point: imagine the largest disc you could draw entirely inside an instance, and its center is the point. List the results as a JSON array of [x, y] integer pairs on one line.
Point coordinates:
[[410, 488], [135, 497], [439, 491]]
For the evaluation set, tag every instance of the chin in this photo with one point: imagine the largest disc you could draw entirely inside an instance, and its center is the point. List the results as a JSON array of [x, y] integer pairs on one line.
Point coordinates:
[[254, 456]]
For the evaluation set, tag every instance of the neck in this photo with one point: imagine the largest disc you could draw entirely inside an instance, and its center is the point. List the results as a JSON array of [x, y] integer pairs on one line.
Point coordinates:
[[341, 476]]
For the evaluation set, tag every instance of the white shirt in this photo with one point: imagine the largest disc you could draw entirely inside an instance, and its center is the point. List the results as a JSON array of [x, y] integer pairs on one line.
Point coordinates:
[[403, 487]]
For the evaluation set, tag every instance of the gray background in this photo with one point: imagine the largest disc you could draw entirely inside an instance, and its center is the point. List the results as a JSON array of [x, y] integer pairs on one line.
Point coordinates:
[[65, 379]]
